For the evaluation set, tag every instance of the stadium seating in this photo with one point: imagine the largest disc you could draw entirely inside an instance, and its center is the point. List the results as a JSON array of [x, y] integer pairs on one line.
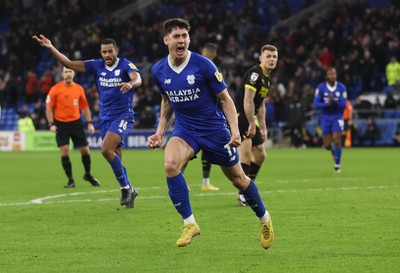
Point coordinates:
[[387, 130], [268, 12], [8, 120]]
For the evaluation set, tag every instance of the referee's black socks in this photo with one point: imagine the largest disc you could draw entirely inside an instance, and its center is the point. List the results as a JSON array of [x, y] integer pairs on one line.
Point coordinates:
[[66, 163], [86, 163]]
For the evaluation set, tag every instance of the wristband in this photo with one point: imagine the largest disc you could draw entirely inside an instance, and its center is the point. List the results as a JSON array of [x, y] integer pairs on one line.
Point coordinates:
[[89, 122], [51, 124]]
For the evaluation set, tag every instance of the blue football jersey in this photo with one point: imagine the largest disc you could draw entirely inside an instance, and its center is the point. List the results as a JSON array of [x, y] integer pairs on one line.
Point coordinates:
[[113, 102], [321, 99], [192, 88]]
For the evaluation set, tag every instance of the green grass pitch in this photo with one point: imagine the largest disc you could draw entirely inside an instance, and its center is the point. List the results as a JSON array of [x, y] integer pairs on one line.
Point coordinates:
[[323, 222]]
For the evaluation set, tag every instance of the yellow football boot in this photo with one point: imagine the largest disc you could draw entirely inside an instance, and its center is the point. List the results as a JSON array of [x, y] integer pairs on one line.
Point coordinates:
[[266, 234], [209, 188], [188, 232]]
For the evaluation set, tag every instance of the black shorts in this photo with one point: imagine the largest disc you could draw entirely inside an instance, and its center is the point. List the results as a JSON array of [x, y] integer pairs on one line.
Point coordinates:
[[243, 126], [73, 130]]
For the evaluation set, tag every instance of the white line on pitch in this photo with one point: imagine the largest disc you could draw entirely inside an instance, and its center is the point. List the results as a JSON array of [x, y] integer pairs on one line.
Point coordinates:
[[43, 199]]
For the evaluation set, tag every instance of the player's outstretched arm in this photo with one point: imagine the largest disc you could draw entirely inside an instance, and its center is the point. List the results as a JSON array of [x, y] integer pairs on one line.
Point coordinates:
[[135, 82], [229, 109], [78, 66]]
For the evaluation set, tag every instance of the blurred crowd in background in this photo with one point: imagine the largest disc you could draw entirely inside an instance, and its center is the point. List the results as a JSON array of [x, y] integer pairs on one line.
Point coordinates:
[[359, 38]]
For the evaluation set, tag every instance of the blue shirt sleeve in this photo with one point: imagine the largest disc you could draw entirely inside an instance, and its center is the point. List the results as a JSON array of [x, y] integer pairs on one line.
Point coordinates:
[[130, 67], [90, 66], [213, 77], [154, 73], [319, 99]]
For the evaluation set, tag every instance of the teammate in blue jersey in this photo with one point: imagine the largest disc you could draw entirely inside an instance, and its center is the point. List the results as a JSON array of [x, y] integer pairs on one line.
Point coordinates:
[[330, 98], [191, 86], [210, 52], [116, 79]]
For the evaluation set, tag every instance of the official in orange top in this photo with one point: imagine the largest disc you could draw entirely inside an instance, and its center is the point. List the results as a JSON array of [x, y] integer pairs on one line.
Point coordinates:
[[349, 126], [63, 105], [348, 111]]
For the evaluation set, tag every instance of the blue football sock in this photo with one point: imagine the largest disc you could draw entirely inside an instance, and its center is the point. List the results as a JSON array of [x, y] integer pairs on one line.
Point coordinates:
[[337, 155], [118, 170], [254, 200], [179, 194], [126, 176]]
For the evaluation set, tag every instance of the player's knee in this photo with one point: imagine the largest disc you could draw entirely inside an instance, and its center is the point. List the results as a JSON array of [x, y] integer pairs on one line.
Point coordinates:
[[328, 147], [262, 156], [107, 153], [171, 168], [240, 182], [84, 150], [337, 145], [258, 154], [64, 150]]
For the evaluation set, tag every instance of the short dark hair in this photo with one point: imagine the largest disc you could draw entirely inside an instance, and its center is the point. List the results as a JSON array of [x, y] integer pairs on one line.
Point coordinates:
[[170, 24], [269, 48], [108, 41], [211, 47], [330, 68]]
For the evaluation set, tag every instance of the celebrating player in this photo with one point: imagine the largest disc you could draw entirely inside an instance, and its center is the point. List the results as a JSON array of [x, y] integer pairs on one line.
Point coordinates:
[[116, 80], [330, 98], [191, 86], [210, 52]]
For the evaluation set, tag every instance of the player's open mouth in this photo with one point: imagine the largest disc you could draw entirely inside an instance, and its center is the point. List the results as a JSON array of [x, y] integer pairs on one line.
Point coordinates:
[[180, 49]]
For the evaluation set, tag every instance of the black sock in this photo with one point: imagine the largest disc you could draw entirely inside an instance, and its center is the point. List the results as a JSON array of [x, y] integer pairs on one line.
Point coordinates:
[[245, 168], [66, 163], [206, 167], [253, 170], [86, 164]]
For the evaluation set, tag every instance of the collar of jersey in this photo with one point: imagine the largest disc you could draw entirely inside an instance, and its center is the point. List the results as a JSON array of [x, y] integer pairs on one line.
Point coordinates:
[[331, 88], [111, 68], [264, 71], [178, 69]]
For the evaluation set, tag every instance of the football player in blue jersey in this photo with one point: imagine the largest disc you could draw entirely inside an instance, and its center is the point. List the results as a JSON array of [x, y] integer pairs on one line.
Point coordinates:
[[210, 52], [116, 80], [330, 98], [191, 86]]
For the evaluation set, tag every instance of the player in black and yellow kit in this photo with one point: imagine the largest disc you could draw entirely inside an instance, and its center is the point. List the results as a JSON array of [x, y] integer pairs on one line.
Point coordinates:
[[250, 105]]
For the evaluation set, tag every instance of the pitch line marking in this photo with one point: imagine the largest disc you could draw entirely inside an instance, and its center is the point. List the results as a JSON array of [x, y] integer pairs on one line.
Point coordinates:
[[43, 200], [321, 180]]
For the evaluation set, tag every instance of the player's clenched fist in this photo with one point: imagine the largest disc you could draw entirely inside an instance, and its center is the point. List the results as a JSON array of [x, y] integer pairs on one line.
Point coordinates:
[[154, 141], [235, 140]]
